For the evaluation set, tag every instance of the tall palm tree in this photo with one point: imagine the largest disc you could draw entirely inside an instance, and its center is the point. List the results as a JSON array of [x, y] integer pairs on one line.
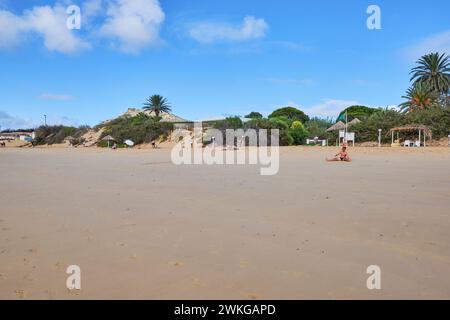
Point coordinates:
[[433, 69], [418, 97], [157, 104]]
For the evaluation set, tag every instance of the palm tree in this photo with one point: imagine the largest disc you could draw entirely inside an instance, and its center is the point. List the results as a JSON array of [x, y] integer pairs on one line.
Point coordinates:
[[418, 97], [433, 69], [157, 104]]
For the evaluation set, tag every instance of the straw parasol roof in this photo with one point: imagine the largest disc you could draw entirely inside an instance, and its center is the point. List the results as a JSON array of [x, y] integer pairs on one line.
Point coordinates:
[[413, 127], [108, 138], [354, 121], [337, 126]]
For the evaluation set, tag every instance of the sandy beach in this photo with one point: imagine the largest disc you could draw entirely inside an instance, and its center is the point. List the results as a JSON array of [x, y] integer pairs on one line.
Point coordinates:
[[141, 227]]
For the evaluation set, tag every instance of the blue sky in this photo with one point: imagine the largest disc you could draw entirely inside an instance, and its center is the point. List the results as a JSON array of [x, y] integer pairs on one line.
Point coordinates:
[[208, 57]]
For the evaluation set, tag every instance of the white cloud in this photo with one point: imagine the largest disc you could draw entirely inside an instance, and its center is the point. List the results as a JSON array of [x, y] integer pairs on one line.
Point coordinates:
[[11, 27], [45, 21], [329, 107], [210, 32], [8, 121], [55, 96], [91, 8], [133, 24], [50, 23], [439, 42]]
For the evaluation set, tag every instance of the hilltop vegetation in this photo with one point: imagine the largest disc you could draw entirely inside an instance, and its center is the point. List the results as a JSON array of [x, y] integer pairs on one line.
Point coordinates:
[[139, 129], [57, 134]]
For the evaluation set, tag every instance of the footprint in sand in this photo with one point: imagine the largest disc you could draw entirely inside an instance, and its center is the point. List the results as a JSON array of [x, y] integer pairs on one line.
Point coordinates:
[[134, 257], [196, 282], [243, 264], [29, 277], [74, 292], [20, 293], [253, 296], [2, 276], [32, 250], [176, 263]]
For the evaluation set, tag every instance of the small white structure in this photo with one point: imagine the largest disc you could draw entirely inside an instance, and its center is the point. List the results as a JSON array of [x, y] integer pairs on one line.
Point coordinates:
[[346, 137], [316, 140], [25, 138]]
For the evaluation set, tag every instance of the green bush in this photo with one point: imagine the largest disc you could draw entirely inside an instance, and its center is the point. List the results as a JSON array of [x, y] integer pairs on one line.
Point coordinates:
[[139, 129], [229, 123], [298, 132], [437, 119], [53, 134], [57, 134], [273, 123], [318, 127], [383, 119]]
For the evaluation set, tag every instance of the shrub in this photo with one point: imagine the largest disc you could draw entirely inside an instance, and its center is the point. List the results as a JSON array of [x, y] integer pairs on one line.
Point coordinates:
[[140, 129], [318, 127], [273, 123], [53, 134], [383, 119], [298, 132], [229, 123]]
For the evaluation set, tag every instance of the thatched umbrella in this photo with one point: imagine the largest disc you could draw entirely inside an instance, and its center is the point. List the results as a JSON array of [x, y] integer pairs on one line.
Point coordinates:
[[354, 121], [108, 138], [337, 126]]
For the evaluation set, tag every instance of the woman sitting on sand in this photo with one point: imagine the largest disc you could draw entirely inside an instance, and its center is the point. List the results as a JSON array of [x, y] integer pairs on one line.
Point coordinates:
[[342, 155]]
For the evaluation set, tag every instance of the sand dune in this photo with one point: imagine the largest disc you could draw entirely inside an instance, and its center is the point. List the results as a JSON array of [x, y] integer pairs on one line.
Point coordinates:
[[141, 227]]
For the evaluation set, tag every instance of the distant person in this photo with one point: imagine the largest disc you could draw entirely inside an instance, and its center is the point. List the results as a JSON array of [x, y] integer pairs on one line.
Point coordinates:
[[341, 156]]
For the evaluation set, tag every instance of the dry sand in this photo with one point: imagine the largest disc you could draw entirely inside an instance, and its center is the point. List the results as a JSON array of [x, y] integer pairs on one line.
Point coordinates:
[[141, 227]]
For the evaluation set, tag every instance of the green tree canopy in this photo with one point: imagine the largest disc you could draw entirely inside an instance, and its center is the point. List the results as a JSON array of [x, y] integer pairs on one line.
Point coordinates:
[[291, 113], [360, 112], [254, 115], [418, 97], [157, 104], [434, 70]]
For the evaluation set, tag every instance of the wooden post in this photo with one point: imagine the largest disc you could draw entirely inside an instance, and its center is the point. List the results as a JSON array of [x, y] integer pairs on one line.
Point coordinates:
[[392, 137], [424, 139], [420, 137]]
